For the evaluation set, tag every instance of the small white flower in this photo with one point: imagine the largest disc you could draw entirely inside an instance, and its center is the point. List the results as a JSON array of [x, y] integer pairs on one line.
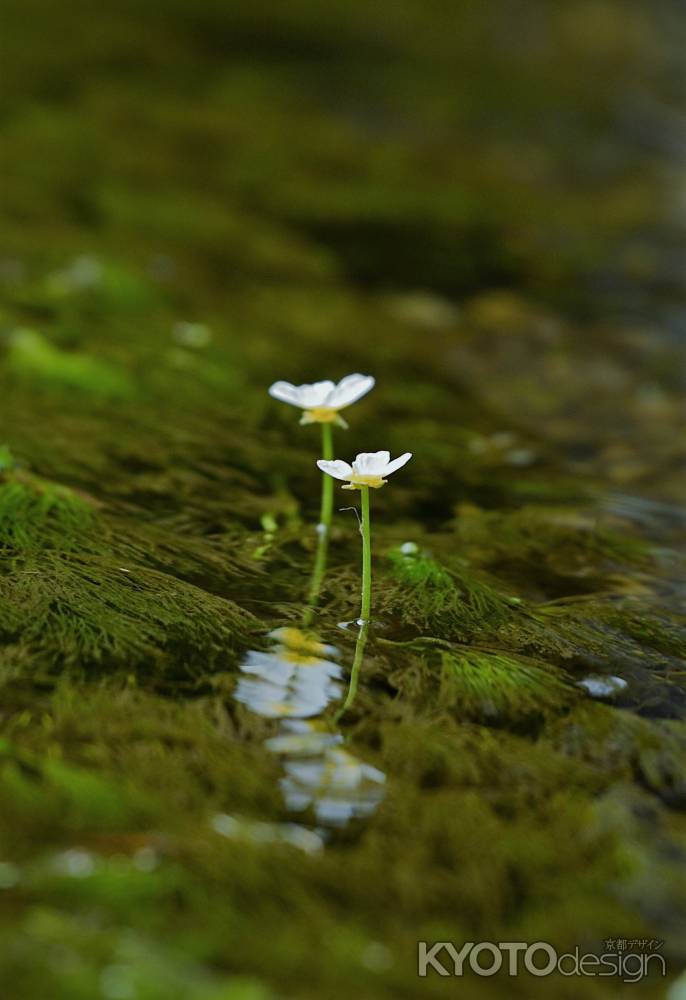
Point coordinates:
[[368, 469], [322, 401]]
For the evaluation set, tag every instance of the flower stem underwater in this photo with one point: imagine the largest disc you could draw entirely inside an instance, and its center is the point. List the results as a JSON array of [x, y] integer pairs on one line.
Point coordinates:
[[360, 644]]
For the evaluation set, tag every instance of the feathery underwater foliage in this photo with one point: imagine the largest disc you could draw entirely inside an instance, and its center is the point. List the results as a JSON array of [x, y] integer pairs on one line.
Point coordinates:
[[147, 561], [175, 240]]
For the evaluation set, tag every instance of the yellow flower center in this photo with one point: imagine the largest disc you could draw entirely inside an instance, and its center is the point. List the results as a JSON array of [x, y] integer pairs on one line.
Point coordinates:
[[357, 480], [298, 642], [321, 415]]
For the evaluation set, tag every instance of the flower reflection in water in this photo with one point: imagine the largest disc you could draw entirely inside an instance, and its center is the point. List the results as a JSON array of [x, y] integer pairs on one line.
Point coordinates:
[[291, 681], [296, 681], [322, 774]]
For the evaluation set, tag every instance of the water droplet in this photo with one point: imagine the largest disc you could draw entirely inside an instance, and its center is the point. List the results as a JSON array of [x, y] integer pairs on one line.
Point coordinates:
[[76, 863], [602, 687], [193, 335]]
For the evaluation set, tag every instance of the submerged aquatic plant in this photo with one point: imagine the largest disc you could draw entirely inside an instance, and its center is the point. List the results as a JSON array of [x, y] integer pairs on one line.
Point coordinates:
[[367, 471], [321, 403]]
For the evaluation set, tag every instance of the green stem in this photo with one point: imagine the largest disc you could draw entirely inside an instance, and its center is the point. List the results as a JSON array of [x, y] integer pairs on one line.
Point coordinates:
[[366, 557], [327, 482], [355, 671], [323, 528]]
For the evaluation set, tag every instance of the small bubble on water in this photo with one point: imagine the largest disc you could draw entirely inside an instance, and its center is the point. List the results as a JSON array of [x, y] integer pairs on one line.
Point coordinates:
[[602, 687], [75, 863]]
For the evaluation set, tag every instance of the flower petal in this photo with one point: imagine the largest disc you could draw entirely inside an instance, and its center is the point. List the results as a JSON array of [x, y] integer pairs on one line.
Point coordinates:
[[312, 396], [337, 469], [371, 463], [397, 463], [286, 392], [350, 389]]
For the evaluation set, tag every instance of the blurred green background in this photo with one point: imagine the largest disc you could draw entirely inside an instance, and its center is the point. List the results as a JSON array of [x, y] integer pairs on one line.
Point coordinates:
[[482, 204]]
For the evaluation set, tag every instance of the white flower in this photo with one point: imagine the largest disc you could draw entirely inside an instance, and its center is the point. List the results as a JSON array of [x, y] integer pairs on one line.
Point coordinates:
[[368, 469], [322, 401]]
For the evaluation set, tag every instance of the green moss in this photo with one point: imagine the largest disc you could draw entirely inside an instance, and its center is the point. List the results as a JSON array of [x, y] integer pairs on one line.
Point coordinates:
[[665, 633], [95, 958], [622, 745], [452, 601], [493, 686], [87, 611], [93, 285], [6, 459], [37, 514], [35, 791], [319, 189], [561, 541], [33, 359]]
